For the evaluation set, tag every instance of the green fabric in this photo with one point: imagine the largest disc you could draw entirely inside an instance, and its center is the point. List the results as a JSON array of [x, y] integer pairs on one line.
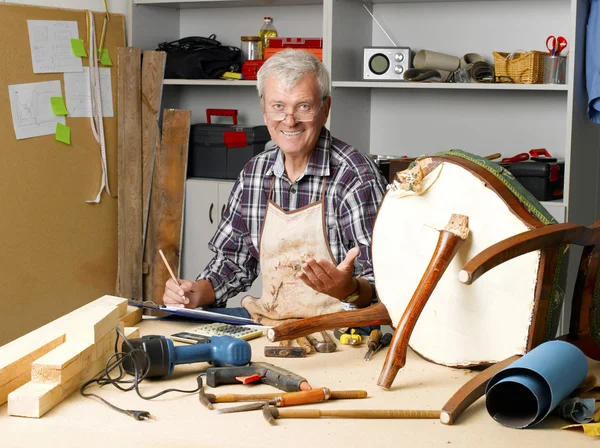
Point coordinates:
[[536, 209]]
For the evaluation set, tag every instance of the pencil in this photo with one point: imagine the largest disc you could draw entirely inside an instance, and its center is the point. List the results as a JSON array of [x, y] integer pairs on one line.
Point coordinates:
[[168, 267]]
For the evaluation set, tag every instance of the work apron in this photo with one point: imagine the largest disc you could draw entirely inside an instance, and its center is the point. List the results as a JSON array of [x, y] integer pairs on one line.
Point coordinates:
[[287, 241]]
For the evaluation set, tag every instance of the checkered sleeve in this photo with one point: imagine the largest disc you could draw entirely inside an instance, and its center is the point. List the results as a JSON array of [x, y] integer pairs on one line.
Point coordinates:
[[358, 210], [233, 269]]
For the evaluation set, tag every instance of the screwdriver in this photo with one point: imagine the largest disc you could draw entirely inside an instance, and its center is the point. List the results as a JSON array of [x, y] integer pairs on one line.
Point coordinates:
[[373, 343], [383, 342]]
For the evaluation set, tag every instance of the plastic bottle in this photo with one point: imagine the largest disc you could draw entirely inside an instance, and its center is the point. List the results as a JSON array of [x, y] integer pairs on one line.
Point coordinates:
[[266, 31]]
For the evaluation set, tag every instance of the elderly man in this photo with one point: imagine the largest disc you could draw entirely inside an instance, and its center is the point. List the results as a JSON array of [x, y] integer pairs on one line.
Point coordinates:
[[302, 211]]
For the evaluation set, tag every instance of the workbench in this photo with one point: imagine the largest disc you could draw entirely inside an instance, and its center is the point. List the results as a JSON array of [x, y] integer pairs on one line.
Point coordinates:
[[181, 421]]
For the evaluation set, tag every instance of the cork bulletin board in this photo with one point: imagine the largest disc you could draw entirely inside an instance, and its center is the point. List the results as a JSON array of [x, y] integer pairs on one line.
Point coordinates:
[[57, 252]]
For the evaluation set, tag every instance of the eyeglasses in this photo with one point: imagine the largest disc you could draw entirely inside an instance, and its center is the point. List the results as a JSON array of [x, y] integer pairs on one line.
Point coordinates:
[[299, 117]]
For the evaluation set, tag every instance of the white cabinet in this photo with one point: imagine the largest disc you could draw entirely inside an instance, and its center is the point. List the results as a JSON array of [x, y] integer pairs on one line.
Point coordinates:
[[205, 202]]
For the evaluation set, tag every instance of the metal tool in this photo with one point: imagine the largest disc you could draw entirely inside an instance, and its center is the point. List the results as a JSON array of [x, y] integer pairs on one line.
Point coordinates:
[[383, 342], [303, 342], [208, 399], [274, 351], [291, 399], [322, 346], [352, 338], [556, 45], [271, 413], [373, 343]]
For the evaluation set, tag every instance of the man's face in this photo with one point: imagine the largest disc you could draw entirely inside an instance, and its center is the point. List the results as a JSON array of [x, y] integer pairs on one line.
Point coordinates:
[[293, 137]]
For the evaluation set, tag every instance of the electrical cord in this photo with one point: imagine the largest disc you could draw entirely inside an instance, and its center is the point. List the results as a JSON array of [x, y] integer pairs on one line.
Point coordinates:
[[139, 359]]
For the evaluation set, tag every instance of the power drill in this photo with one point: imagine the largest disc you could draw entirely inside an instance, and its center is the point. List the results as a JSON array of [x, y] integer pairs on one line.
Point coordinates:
[[163, 355]]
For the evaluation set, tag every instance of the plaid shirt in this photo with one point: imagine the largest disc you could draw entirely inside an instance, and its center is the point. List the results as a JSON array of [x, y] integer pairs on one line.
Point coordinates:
[[354, 189]]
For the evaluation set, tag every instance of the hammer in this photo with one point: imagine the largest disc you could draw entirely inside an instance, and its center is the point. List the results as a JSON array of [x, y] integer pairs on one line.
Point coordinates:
[[271, 413], [325, 346]]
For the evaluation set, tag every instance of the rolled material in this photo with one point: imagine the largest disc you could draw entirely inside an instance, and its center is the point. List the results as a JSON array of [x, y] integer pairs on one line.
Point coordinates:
[[425, 75], [435, 60], [524, 393], [470, 58]]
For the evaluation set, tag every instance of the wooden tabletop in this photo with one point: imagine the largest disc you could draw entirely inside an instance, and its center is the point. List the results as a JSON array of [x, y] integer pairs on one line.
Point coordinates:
[[181, 421]]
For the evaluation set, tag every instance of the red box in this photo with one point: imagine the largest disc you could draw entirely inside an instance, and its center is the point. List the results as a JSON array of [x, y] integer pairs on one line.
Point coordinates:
[[318, 52], [250, 68], [295, 42]]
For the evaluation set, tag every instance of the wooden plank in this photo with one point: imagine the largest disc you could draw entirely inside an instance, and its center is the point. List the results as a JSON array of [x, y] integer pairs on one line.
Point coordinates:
[[17, 356], [153, 71], [93, 324], [62, 363], [35, 399], [133, 316], [166, 207], [130, 174], [132, 332]]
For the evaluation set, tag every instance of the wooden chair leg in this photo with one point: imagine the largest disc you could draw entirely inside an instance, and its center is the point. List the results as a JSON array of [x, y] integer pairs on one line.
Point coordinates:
[[471, 391]]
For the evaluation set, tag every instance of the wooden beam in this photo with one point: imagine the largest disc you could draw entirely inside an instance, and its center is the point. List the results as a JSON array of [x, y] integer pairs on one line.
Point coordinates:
[[133, 316], [153, 71], [17, 356], [130, 219], [166, 207], [62, 363]]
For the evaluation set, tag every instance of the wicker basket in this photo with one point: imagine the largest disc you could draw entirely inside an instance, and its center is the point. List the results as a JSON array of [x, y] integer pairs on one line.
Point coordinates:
[[520, 67]]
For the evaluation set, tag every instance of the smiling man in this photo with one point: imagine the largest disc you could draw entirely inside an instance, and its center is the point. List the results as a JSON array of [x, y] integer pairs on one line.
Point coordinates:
[[301, 213]]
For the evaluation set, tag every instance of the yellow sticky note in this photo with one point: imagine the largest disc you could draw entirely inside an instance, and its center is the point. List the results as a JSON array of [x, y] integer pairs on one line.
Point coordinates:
[[104, 57], [58, 105], [78, 48], [63, 133]]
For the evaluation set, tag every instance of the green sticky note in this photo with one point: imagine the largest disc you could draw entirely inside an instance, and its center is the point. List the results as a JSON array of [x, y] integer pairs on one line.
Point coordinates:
[[58, 105], [78, 48], [63, 133], [104, 57]]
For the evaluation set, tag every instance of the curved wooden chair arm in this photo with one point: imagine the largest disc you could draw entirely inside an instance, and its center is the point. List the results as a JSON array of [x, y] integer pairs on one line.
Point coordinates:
[[535, 239], [471, 391], [376, 314]]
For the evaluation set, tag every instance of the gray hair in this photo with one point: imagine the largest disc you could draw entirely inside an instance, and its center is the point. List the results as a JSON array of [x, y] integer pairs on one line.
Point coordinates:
[[289, 67]]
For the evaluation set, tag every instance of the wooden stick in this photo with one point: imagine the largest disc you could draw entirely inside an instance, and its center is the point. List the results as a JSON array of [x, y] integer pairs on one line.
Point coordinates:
[[168, 267], [450, 239], [333, 395], [353, 413]]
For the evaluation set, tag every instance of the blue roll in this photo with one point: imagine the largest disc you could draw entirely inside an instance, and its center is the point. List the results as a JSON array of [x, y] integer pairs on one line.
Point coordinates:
[[525, 392]]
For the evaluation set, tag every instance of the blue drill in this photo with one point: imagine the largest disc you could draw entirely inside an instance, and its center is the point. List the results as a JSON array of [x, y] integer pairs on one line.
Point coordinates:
[[163, 355]]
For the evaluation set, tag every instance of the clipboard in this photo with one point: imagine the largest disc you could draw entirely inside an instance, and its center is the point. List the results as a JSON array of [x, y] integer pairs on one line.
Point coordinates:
[[196, 313]]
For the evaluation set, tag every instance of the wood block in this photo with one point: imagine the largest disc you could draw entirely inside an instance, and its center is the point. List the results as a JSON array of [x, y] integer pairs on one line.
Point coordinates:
[[106, 345], [13, 384], [16, 356], [35, 399], [62, 363], [132, 332], [133, 316], [92, 324]]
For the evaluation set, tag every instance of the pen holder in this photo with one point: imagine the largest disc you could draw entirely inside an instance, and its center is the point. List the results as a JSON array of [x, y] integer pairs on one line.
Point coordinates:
[[555, 69]]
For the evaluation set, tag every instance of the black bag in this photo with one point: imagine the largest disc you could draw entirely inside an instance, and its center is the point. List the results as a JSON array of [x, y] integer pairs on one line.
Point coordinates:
[[200, 58]]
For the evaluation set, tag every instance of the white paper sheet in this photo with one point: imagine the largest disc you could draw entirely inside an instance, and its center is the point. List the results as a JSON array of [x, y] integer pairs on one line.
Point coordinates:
[[31, 109], [77, 93], [50, 42]]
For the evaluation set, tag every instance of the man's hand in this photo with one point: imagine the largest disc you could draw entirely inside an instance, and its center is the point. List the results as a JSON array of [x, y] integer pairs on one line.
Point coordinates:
[[188, 294], [325, 277]]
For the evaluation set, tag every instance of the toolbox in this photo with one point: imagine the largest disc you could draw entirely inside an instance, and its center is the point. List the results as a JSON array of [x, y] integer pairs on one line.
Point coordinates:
[[544, 179], [221, 150], [295, 42]]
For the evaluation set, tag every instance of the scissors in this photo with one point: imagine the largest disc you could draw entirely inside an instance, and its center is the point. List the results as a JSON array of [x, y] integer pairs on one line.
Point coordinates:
[[556, 44]]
